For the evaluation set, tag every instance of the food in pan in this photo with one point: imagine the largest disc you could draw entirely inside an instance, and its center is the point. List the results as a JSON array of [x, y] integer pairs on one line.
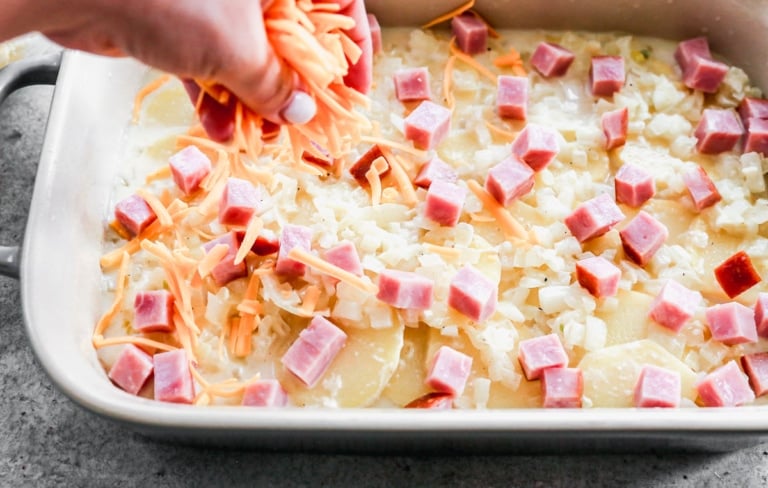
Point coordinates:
[[531, 219]]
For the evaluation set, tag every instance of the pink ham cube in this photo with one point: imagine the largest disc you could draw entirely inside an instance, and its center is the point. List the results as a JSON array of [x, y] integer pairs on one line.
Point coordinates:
[[131, 369], [756, 367], [173, 379], [449, 371], [757, 136], [642, 237], [435, 169], [135, 214], [761, 314], [373, 24], [737, 274], [701, 188], [540, 353], [752, 108], [599, 276], [239, 202], [700, 71], [606, 75], [634, 185], [615, 125], [510, 179], [405, 289], [551, 59], [265, 393], [189, 167], [594, 218], [562, 387], [310, 356], [266, 243], [472, 294], [731, 323], [536, 145], [444, 202], [512, 97], [657, 387], [428, 125], [718, 131], [153, 311], [726, 386], [412, 84], [674, 305], [471, 33], [226, 270], [344, 255], [292, 236]]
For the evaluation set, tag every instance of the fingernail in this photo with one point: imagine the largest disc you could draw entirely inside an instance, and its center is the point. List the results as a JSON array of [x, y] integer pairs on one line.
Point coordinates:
[[301, 109]]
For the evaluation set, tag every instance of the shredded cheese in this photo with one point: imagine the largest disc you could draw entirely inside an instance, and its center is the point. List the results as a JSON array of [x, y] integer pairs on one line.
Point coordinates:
[[469, 60], [401, 177], [511, 227], [449, 15], [147, 90], [329, 269]]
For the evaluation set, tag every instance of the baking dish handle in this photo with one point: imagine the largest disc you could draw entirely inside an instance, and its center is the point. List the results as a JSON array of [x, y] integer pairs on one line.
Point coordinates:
[[41, 70]]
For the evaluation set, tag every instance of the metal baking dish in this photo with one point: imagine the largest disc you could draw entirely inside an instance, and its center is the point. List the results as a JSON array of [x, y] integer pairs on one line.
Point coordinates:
[[60, 274]]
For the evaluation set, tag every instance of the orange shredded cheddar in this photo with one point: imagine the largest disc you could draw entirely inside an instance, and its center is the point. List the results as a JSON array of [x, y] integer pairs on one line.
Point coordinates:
[[211, 259], [471, 61], [147, 90], [402, 179], [449, 252], [511, 227], [120, 230], [251, 233], [309, 302], [99, 342], [406, 148], [122, 280], [325, 267], [511, 60], [160, 174], [449, 15], [450, 99], [157, 206], [506, 134]]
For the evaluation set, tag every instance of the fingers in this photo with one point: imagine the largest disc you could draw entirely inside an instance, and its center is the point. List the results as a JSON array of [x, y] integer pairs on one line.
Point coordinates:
[[217, 119]]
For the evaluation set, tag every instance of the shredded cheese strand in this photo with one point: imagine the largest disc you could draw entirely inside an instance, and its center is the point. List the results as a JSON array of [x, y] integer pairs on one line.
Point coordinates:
[[147, 90], [329, 269], [449, 15], [511, 227], [122, 281], [467, 59], [401, 177], [99, 342]]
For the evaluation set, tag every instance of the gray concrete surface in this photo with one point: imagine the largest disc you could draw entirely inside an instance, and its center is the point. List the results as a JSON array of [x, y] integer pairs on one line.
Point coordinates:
[[45, 440]]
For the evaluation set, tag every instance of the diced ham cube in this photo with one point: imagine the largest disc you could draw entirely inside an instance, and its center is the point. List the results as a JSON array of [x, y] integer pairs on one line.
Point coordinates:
[[536, 145], [131, 369], [510, 179], [700, 71], [551, 59], [449, 371], [540, 353], [756, 367], [135, 214], [737, 274], [701, 188], [471, 33], [761, 314], [606, 75], [731, 323], [472, 294], [265, 393], [375, 27], [226, 270], [599, 276], [562, 387], [642, 237], [757, 136], [428, 125], [266, 243], [634, 185], [718, 131], [292, 236], [674, 305], [657, 387], [153, 311], [444, 202], [594, 218], [239, 202], [435, 400], [615, 125], [344, 255], [189, 167], [362, 165], [309, 357], [404, 289], [512, 97], [173, 378], [435, 169], [412, 84], [752, 108], [726, 386]]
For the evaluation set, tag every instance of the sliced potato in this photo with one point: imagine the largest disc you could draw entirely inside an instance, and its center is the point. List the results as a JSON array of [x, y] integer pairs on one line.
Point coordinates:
[[356, 376], [629, 320], [610, 374], [407, 383]]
